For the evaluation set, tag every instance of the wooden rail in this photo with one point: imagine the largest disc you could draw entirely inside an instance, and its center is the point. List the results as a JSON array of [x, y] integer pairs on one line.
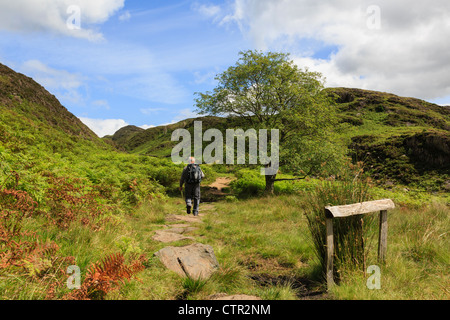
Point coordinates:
[[356, 209]]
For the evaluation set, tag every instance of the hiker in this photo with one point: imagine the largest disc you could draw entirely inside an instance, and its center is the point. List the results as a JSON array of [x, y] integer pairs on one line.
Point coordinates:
[[192, 176]]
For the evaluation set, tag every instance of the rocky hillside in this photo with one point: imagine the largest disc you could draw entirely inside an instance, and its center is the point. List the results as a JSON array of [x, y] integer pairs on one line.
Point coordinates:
[[354, 104], [399, 139]]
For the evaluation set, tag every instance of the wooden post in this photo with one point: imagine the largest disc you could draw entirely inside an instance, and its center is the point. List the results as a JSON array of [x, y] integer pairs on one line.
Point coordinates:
[[330, 252], [382, 240]]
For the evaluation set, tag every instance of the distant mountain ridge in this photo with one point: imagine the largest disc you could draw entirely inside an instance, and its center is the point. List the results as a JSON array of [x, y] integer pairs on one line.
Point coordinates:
[[350, 102], [398, 138], [122, 135]]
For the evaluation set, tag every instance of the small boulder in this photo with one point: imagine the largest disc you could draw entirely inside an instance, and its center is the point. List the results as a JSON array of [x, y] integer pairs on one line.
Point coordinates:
[[178, 218], [168, 236], [196, 261], [181, 229]]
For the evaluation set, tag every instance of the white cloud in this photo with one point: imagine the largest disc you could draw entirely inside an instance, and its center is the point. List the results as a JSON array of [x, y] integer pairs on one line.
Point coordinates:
[[146, 126], [442, 101], [125, 16], [101, 104], [184, 114], [54, 16], [150, 111], [103, 127], [62, 83], [207, 10], [403, 50], [208, 77], [180, 115], [153, 86], [128, 69]]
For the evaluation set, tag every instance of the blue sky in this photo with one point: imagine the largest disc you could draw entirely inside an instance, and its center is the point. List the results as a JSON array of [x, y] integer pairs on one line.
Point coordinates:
[[140, 62]]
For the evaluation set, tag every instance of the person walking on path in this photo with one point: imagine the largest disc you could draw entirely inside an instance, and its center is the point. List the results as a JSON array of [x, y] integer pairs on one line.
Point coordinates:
[[191, 177]]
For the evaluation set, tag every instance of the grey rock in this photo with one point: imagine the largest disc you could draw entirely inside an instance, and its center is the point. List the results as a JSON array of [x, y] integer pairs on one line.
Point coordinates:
[[196, 261], [167, 236], [178, 218], [223, 296]]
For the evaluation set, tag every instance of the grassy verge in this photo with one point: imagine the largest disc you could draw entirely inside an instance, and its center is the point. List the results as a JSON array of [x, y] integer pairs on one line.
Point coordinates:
[[269, 240], [417, 262], [264, 248]]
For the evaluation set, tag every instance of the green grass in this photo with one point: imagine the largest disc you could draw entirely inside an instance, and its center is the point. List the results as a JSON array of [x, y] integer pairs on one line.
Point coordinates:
[[264, 248], [91, 201], [273, 240], [417, 261]]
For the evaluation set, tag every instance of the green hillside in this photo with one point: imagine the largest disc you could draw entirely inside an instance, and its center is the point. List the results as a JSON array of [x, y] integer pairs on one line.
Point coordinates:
[[401, 140], [39, 137], [157, 142], [69, 198], [60, 187], [121, 136], [20, 96]]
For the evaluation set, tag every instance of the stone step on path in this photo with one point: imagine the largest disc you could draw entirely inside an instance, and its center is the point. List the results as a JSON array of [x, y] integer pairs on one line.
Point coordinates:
[[196, 261], [184, 218], [174, 233], [167, 236], [180, 228]]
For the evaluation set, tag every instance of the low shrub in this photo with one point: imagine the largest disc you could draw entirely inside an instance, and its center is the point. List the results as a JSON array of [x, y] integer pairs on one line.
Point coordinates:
[[349, 233], [251, 183]]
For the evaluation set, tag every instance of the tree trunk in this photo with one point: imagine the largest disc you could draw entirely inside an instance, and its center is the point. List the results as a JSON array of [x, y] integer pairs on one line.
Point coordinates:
[[270, 181]]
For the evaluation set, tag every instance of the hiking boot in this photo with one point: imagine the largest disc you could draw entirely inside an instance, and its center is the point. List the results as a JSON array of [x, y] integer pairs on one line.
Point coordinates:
[[188, 210], [195, 213]]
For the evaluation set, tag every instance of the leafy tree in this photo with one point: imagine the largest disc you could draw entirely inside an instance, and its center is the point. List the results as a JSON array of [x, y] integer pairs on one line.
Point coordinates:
[[272, 92]]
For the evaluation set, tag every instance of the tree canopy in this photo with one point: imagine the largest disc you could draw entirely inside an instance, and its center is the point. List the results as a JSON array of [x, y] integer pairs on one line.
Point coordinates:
[[270, 91]]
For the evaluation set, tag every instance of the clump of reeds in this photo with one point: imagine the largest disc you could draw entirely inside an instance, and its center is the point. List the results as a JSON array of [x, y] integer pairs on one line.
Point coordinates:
[[349, 233]]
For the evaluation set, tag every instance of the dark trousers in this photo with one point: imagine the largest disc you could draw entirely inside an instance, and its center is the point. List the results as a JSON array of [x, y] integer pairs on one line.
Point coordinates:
[[192, 195]]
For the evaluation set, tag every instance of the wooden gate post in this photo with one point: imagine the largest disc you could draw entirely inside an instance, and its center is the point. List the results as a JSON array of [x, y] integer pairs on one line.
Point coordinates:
[[382, 238], [330, 251], [351, 210]]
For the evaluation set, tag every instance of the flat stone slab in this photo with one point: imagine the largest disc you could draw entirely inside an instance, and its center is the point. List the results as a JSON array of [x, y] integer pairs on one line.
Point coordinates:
[[190, 218], [178, 225], [224, 296], [181, 230], [196, 261], [166, 236]]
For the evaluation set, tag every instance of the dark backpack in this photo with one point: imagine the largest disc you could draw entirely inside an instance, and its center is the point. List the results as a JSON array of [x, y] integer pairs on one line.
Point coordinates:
[[194, 174]]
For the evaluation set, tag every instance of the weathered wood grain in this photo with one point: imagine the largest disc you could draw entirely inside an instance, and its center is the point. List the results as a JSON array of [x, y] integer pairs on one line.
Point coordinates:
[[382, 239], [330, 252], [332, 212], [359, 208]]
